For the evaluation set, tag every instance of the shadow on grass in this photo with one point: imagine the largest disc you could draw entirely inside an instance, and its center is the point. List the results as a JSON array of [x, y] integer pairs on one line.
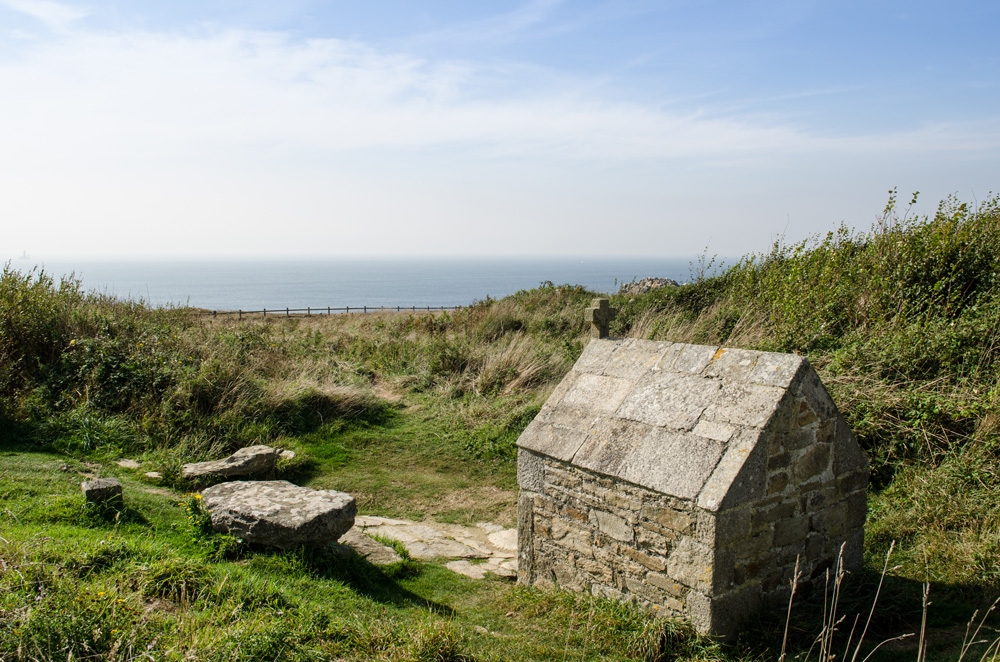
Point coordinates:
[[101, 515], [376, 583], [897, 616]]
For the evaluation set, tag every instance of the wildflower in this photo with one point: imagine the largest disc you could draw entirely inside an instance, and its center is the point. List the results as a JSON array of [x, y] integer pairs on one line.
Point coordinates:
[[197, 496], [120, 601], [115, 631], [73, 341], [101, 594]]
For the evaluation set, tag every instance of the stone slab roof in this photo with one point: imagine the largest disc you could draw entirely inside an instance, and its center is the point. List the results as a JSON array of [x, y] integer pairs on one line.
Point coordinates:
[[676, 418]]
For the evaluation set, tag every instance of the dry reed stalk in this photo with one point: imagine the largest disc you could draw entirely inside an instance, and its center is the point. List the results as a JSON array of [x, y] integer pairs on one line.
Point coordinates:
[[922, 644], [794, 581], [512, 365], [967, 641], [878, 591], [644, 326]]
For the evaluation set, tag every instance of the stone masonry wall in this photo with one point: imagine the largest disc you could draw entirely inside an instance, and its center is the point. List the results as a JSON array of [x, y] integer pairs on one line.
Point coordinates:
[[586, 532], [815, 501]]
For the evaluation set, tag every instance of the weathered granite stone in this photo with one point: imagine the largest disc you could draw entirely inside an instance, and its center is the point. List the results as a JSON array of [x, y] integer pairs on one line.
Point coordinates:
[[279, 514], [106, 492], [249, 461], [688, 479]]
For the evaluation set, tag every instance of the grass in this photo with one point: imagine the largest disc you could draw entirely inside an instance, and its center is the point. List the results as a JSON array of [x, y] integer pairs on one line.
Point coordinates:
[[153, 584], [417, 415]]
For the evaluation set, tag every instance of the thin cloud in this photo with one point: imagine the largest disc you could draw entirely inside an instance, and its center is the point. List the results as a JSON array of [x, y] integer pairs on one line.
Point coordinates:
[[497, 28], [138, 95], [55, 15]]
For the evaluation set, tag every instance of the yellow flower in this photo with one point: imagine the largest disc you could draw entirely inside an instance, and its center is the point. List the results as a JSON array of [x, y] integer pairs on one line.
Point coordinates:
[[114, 631], [197, 496], [73, 341], [100, 594]]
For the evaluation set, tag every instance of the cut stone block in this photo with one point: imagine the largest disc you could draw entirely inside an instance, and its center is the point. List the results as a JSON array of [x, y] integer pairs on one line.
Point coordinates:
[[105, 492]]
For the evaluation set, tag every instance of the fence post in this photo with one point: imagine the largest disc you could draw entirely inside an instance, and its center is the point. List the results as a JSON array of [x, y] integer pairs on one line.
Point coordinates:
[[348, 309], [241, 314], [365, 310], [265, 312], [328, 310], [308, 311]]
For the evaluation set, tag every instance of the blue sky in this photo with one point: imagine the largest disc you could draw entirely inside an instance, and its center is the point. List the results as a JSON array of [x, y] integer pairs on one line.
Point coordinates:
[[489, 128]]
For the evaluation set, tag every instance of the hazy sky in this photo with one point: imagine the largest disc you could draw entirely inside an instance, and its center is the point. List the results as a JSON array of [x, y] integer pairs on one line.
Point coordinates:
[[225, 127]]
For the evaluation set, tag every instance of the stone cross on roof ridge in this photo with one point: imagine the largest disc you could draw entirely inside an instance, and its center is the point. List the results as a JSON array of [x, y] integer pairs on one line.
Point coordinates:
[[599, 317]]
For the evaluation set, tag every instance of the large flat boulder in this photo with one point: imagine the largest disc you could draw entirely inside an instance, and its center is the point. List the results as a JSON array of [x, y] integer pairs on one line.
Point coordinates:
[[249, 461], [279, 514]]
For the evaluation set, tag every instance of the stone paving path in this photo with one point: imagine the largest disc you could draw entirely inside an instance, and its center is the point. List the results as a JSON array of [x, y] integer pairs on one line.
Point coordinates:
[[476, 550]]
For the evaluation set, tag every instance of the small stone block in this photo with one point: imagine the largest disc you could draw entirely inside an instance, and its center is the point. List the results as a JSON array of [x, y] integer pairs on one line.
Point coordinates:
[[103, 491]]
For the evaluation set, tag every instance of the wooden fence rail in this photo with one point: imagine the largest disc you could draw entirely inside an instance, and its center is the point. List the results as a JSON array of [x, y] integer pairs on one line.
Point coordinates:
[[329, 310]]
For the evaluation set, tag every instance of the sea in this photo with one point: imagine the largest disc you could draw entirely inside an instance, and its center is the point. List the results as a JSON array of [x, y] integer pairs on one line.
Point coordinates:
[[320, 283]]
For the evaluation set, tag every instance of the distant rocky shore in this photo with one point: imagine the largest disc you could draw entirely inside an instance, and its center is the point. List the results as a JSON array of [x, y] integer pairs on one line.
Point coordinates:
[[644, 285]]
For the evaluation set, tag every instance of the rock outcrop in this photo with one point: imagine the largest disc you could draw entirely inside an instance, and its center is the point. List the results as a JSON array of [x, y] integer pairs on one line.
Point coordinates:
[[278, 513], [637, 287], [249, 461]]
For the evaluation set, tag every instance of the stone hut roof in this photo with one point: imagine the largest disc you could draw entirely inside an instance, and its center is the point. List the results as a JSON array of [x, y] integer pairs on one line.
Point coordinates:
[[683, 420]]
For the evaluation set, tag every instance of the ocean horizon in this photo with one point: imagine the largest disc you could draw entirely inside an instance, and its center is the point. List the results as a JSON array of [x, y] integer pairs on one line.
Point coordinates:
[[254, 284]]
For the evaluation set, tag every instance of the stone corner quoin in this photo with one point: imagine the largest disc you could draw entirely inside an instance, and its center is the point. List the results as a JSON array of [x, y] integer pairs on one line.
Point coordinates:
[[688, 479]]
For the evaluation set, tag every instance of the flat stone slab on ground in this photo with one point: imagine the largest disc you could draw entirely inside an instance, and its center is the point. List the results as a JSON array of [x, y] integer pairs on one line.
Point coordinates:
[[370, 550], [505, 540], [278, 513], [249, 461], [491, 543], [128, 464], [499, 567]]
